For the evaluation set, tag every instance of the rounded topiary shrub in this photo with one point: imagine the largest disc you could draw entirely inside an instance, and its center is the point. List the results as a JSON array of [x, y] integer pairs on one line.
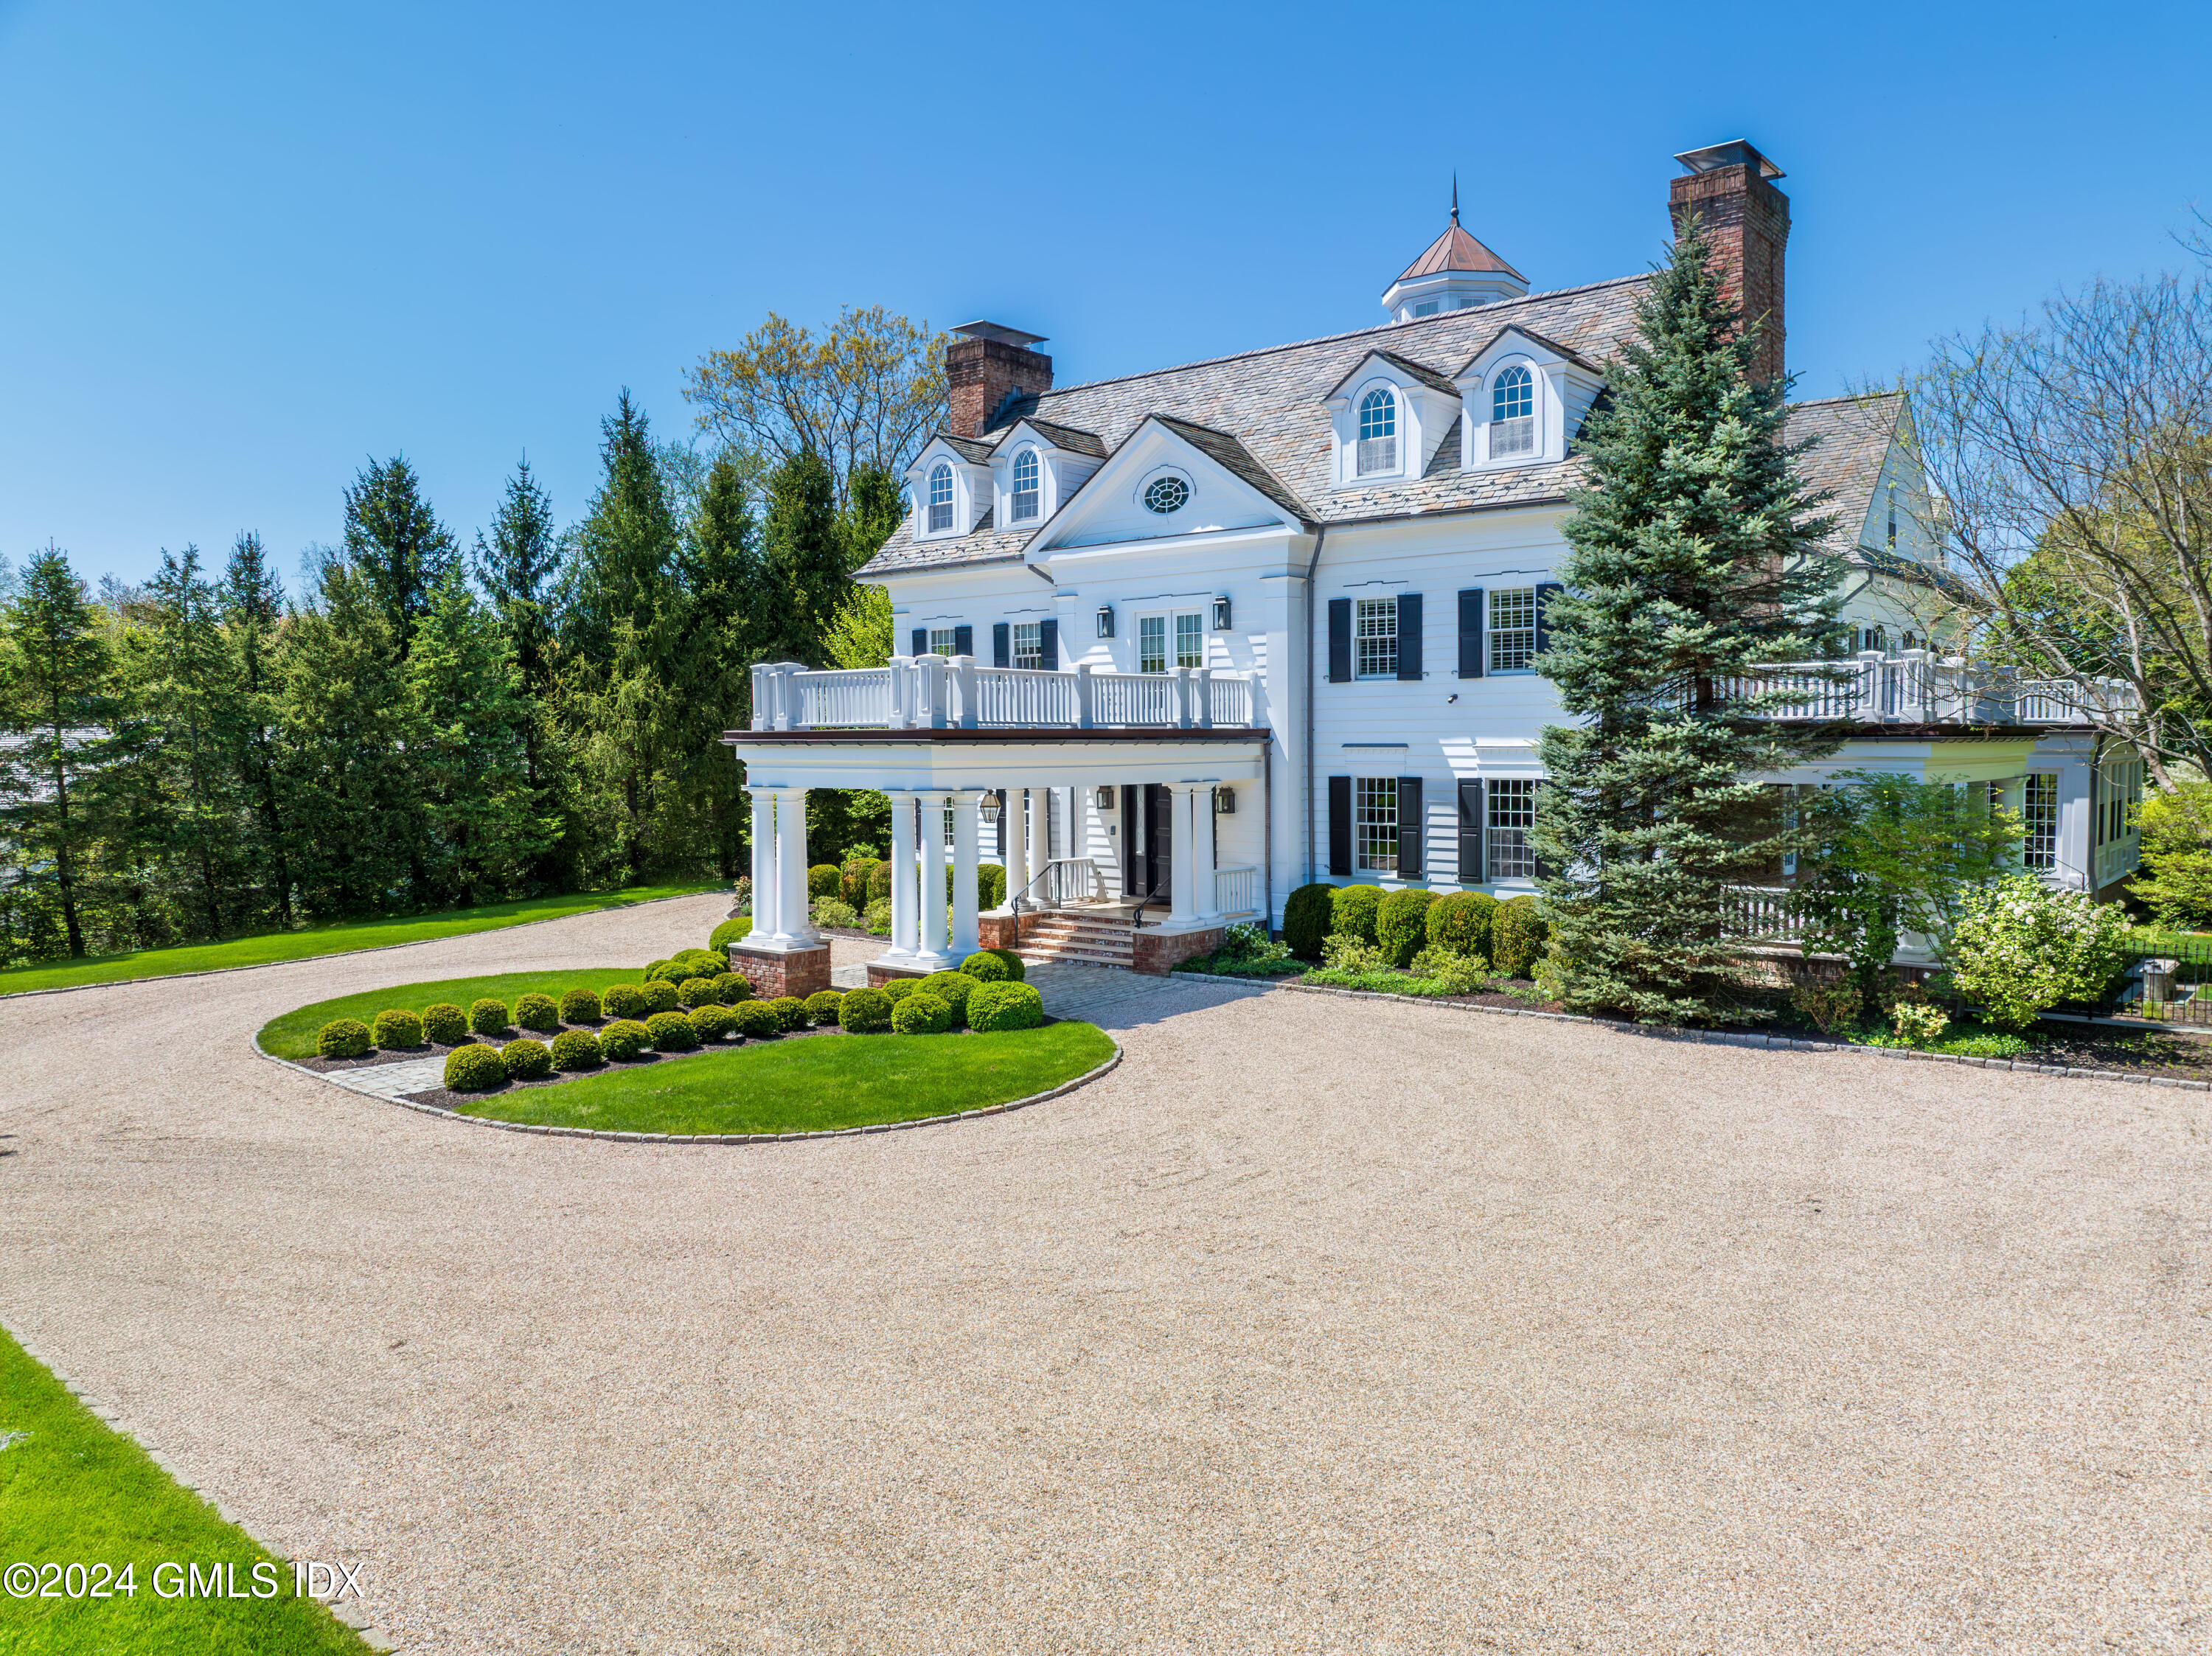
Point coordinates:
[[899, 988], [702, 963], [446, 1024], [953, 988], [985, 967], [527, 1060], [879, 883], [576, 1049], [865, 1012], [790, 1012], [731, 931], [696, 991], [1461, 923], [712, 1022], [1309, 912], [990, 884], [756, 1020], [995, 1007], [671, 1032], [1402, 925], [921, 1015], [343, 1038], [730, 988], [624, 1038], [475, 1069], [660, 971], [487, 1016], [538, 1012], [395, 1031], [660, 996], [1516, 937], [580, 1006], [625, 1000], [1352, 913], [822, 879], [822, 1006]]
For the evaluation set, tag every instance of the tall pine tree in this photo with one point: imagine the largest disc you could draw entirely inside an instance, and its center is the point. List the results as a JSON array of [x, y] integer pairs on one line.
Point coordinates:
[[1696, 554], [253, 607], [806, 579], [395, 542]]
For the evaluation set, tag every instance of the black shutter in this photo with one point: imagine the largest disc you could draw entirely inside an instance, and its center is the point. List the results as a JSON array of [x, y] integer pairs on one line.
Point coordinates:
[[921, 640], [1002, 645], [1470, 633], [1470, 834], [1339, 825], [1545, 871], [963, 640], [1002, 825], [1544, 590], [1048, 646], [1340, 640], [1409, 634], [1412, 826]]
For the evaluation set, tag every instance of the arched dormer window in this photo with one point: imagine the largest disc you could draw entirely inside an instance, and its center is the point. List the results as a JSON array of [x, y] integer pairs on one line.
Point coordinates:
[[1512, 413], [1378, 432], [940, 498], [1026, 497]]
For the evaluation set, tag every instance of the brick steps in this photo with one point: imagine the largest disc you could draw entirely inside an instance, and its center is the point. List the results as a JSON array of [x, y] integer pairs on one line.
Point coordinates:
[[1080, 939]]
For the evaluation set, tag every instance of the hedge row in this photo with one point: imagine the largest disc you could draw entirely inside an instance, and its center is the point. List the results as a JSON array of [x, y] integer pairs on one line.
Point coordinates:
[[1510, 934]]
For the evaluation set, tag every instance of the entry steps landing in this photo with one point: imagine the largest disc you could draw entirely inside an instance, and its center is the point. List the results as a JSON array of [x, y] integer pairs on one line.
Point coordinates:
[[1091, 936]]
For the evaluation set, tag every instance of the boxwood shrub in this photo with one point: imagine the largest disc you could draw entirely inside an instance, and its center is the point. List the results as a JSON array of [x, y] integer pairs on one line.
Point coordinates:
[[696, 992], [527, 1060], [1402, 925], [1308, 914], [580, 1006], [879, 883], [343, 1038], [671, 1032], [395, 1031], [1461, 923], [625, 1000], [624, 1038], [537, 1012], [446, 1024], [712, 1022], [1516, 937], [998, 1006], [1352, 911], [822, 879], [953, 988], [656, 970], [475, 1069], [731, 932], [660, 995], [899, 988], [865, 1012], [790, 1012], [576, 1049], [994, 966], [921, 1014], [852, 883], [731, 987], [487, 1016], [756, 1020], [822, 1006]]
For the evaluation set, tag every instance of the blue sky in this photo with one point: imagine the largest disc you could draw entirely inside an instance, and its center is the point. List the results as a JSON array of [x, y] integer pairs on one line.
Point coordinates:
[[250, 245]]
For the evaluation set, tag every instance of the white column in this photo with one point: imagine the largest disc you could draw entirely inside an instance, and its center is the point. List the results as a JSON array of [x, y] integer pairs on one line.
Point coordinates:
[[763, 864], [1201, 873], [1182, 910], [793, 930], [1040, 844], [905, 892], [1018, 845], [965, 824], [929, 949]]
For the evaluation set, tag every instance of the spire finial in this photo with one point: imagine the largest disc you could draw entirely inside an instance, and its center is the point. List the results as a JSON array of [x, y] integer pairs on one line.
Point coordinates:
[[1454, 194]]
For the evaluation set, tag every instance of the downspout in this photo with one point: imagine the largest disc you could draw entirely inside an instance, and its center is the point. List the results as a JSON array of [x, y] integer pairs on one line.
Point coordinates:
[[1321, 534]]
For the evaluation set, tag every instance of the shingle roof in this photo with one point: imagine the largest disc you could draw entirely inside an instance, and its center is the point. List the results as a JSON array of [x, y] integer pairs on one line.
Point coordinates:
[[1067, 437], [967, 447], [1233, 457], [1854, 435]]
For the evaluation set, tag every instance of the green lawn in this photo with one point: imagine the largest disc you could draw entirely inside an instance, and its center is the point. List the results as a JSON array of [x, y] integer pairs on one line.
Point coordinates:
[[293, 1034], [807, 1085], [72, 1491], [342, 938]]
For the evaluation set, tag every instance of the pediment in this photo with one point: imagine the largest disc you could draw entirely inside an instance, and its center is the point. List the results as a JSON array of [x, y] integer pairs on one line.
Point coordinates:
[[1215, 481], [1514, 340], [1388, 365]]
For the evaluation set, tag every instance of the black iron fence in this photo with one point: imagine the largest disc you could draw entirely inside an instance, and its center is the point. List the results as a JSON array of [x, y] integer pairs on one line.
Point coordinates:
[[2168, 978]]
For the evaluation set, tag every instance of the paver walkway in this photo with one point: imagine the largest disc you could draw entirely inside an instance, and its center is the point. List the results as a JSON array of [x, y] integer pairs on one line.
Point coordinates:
[[1317, 1325]]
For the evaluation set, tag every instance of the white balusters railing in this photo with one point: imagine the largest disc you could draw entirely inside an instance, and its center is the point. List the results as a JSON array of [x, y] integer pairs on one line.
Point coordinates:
[[1132, 699], [1914, 688], [1235, 892], [836, 701], [941, 693], [1760, 913]]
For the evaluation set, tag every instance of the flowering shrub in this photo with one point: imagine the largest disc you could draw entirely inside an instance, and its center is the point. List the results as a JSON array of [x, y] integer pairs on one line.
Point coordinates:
[[1918, 1022], [877, 918], [1829, 1005], [832, 911], [2020, 947], [1451, 972], [1344, 952]]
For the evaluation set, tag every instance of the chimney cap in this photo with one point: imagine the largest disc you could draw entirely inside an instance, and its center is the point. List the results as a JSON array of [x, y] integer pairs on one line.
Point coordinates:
[[999, 332], [1736, 152]]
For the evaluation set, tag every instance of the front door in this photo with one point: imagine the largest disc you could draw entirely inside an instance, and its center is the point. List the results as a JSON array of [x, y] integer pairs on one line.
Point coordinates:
[[1146, 817]]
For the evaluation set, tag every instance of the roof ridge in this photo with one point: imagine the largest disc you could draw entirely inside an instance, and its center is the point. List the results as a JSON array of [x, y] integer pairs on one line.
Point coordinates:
[[1848, 396]]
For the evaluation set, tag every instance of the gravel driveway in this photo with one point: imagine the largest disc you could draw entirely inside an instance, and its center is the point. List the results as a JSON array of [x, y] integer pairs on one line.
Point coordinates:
[[1315, 1327]]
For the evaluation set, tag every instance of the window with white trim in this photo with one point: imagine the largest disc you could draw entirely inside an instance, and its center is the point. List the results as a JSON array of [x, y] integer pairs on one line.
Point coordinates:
[[1375, 824], [1153, 634], [1152, 644], [943, 640], [1513, 629], [1029, 644], [1374, 638], [1026, 493], [2039, 809], [1190, 640], [1512, 818], [1378, 432], [940, 498], [1512, 413]]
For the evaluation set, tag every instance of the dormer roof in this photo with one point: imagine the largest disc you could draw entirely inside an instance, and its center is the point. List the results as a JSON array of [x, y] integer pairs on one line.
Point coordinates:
[[968, 448], [1059, 436], [1551, 347], [1405, 366]]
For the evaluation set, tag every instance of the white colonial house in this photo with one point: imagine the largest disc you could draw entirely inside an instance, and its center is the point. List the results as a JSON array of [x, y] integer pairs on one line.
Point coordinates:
[[1173, 645]]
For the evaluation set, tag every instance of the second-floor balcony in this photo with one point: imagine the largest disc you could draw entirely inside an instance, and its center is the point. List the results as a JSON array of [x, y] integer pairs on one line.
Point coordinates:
[[952, 693], [1915, 687]]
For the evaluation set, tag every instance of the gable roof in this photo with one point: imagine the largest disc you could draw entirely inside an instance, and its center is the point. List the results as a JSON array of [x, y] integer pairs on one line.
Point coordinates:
[[1854, 434], [1405, 365], [1233, 457], [968, 448], [1066, 437], [1456, 249], [1568, 352]]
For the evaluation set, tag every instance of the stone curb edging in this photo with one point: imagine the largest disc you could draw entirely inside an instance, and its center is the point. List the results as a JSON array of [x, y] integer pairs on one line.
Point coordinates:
[[1718, 1037], [301, 959], [541, 1131], [372, 1635]]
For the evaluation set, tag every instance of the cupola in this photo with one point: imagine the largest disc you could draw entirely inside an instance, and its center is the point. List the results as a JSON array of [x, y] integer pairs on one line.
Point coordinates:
[[1454, 272]]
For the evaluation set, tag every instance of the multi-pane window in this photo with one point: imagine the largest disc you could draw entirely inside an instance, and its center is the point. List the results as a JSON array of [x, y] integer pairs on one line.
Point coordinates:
[[940, 498], [943, 640], [1029, 644], [1190, 641], [1512, 414], [2119, 790], [1374, 638], [1375, 823], [1152, 644], [1378, 432], [1512, 629], [1026, 495], [1512, 816]]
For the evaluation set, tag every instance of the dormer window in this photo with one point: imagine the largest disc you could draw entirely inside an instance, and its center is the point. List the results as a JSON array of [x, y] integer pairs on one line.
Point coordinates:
[[1512, 413], [940, 498], [1378, 432], [1026, 497]]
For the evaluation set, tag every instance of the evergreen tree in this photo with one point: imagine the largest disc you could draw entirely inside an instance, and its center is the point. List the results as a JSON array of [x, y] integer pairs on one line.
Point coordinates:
[[395, 542], [187, 714], [805, 580], [253, 608], [721, 571], [1695, 554], [875, 502], [518, 568]]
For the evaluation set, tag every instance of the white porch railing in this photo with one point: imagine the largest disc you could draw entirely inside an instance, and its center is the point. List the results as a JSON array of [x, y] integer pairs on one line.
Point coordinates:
[[942, 692], [1235, 892], [1760, 913], [1914, 688]]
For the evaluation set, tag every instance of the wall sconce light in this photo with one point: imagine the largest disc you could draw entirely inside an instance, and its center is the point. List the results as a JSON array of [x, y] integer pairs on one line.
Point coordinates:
[[1105, 620], [1105, 798], [1221, 614], [1225, 802]]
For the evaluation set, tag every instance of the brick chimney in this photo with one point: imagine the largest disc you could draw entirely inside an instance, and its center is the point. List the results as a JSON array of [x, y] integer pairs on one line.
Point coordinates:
[[1746, 219], [986, 368]]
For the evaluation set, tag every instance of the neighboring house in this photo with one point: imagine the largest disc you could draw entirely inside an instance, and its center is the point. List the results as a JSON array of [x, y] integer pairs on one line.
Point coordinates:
[[1202, 635]]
